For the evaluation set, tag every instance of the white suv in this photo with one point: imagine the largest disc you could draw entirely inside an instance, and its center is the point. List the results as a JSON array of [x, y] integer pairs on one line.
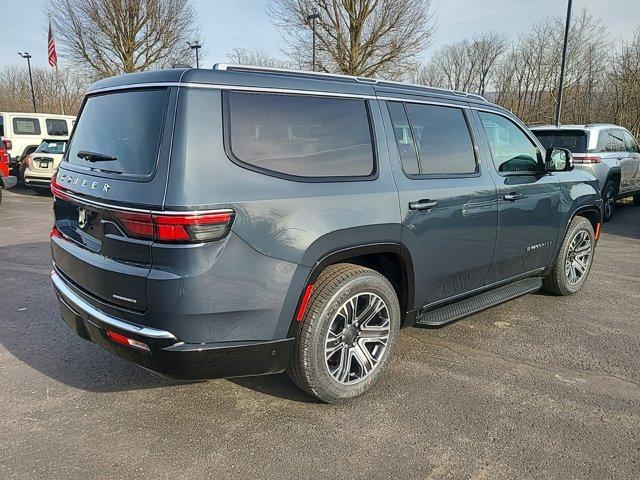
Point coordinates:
[[21, 133], [608, 151]]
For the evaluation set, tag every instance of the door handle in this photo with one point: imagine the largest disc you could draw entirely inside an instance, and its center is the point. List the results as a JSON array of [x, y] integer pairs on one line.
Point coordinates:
[[423, 205], [513, 196]]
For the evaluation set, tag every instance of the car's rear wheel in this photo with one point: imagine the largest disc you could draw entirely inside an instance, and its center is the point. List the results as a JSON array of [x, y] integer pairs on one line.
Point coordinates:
[[574, 260], [610, 196], [348, 334]]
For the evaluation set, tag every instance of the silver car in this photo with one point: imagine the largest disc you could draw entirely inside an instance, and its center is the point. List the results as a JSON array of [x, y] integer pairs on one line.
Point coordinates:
[[610, 152]]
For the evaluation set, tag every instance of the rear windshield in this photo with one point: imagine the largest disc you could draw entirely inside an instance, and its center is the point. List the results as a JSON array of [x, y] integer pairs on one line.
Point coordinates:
[[52, 146], [119, 132], [573, 140]]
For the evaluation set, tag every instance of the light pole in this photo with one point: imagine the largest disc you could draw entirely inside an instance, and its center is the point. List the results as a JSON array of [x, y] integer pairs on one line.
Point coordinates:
[[195, 46], [562, 64], [312, 18], [33, 95]]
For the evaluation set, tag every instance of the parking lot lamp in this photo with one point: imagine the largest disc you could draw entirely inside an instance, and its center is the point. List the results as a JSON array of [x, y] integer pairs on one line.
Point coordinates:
[[196, 46], [33, 95], [562, 63], [312, 18]]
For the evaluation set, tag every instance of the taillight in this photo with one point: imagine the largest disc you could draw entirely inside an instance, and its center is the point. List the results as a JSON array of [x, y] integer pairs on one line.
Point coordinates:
[[587, 159], [7, 144], [204, 227], [4, 156]]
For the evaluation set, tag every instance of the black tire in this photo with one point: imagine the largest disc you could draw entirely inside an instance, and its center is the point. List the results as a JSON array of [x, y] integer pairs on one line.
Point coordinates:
[[636, 200], [558, 281], [309, 366], [610, 196]]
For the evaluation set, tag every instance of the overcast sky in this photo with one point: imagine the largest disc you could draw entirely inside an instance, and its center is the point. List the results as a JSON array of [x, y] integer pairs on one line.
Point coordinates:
[[244, 23]]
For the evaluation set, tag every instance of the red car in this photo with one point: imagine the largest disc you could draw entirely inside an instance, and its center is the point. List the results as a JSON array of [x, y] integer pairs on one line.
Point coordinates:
[[6, 181]]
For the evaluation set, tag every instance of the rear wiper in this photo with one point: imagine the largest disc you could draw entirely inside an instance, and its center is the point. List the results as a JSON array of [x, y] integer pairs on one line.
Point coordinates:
[[95, 157]]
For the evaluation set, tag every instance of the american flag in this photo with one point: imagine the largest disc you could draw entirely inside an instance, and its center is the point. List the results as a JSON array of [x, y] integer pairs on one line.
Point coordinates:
[[53, 56]]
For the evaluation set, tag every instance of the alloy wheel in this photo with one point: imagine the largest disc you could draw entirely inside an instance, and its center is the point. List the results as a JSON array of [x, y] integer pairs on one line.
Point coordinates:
[[578, 257], [357, 338]]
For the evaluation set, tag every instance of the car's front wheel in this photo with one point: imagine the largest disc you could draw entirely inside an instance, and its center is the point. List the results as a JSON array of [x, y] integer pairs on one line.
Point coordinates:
[[348, 334], [574, 260], [609, 196]]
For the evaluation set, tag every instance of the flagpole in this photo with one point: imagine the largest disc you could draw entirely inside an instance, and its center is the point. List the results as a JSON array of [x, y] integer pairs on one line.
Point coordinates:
[[59, 89]]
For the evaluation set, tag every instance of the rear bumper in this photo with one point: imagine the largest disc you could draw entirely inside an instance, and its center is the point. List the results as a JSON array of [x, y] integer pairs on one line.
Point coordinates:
[[167, 355], [37, 178]]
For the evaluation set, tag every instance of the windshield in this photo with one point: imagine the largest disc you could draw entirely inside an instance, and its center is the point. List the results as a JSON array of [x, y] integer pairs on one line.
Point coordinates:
[[573, 140], [119, 132], [56, 146]]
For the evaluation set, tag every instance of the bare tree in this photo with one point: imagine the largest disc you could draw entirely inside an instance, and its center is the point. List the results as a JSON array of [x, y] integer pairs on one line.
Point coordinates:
[[623, 85], [109, 37], [258, 58], [356, 37], [15, 93], [468, 65]]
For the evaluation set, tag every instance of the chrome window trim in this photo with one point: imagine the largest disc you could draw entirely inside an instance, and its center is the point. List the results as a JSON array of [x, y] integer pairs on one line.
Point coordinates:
[[216, 86], [73, 301]]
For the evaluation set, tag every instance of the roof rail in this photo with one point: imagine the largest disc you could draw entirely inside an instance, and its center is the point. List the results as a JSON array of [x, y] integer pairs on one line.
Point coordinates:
[[306, 73], [599, 124]]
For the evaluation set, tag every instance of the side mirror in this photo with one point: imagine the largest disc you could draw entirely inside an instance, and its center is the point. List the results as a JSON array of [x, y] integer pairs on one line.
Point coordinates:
[[558, 160]]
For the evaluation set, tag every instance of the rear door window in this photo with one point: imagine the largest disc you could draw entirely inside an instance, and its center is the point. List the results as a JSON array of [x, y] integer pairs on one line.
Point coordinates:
[[617, 141], [120, 132], [26, 126], [57, 126], [404, 138], [574, 141], [630, 142], [299, 136]]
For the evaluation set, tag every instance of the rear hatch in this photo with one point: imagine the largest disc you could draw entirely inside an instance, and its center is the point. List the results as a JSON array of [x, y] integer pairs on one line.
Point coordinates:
[[113, 174]]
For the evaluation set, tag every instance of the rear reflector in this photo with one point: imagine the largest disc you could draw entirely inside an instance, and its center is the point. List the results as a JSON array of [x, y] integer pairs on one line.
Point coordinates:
[[597, 232], [129, 342], [302, 309], [204, 227], [55, 233]]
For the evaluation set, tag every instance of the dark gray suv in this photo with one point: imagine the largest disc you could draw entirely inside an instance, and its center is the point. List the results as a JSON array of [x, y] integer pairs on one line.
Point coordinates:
[[243, 221]]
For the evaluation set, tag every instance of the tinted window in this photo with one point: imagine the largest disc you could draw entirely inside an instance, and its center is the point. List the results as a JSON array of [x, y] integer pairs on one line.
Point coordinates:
[[443, 139], [26, 126], [511, 149], [301, 136], [124, 125], [404, 138], [52, 146], [630, 142], [574, 141], [56, 126]]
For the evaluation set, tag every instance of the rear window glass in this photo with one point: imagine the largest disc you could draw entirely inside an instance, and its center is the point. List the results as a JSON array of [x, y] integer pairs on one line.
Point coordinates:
[[57, 126], [119, 132], [53, 146], [574, 141], [26, 126], [300, 136]]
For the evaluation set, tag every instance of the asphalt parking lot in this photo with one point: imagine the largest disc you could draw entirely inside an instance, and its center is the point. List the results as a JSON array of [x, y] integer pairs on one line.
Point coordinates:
[[542, 387]]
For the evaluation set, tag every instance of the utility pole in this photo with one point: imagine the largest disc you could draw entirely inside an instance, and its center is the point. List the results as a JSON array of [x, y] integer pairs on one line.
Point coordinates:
[[195, 46], [312, 18], [563, 62], [33, 95]]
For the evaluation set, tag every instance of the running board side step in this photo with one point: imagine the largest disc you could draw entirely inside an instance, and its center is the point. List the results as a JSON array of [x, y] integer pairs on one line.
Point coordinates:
[[449, 313]]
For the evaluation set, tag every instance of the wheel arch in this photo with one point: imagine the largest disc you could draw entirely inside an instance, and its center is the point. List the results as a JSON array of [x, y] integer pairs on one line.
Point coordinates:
[[614, 173]]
